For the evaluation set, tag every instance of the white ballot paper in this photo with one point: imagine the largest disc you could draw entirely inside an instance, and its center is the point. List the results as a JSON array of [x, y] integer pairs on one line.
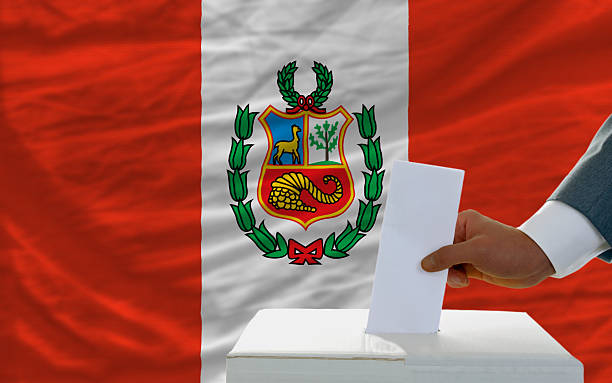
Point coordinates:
[[420, 217]]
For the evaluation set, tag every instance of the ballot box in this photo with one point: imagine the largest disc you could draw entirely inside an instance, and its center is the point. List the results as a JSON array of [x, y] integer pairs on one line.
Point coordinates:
[[307, 345]]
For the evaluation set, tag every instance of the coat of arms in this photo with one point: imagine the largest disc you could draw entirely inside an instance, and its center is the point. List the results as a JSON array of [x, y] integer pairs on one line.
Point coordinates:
[[305, 176]]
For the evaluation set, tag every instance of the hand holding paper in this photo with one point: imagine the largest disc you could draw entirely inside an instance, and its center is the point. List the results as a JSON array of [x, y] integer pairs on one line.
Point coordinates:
[[420, 217], [490, 251]]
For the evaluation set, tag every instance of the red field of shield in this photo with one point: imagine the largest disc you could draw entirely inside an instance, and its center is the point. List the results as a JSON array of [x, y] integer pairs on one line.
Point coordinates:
[[315, 175]]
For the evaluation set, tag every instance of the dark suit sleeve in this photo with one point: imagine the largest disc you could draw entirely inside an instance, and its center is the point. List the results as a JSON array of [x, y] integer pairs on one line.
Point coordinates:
[[588, 187]]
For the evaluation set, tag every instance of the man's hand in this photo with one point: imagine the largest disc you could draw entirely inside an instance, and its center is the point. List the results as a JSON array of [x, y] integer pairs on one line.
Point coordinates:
[[490, 251]]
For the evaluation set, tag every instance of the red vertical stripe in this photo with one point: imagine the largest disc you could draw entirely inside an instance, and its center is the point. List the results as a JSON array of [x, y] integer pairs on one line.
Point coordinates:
[[100, 191], [513, 92]]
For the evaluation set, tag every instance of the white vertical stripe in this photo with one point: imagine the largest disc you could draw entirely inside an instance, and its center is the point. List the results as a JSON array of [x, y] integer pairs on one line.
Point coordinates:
[[244, 43]]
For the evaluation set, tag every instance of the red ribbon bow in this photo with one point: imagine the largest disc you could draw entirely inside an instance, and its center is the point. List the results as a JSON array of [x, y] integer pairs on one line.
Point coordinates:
[[305, 103], [309, 254]]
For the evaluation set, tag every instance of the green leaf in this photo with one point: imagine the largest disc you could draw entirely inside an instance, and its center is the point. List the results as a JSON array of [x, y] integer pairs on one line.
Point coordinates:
[[252, 119], [237, 120], [232, 154], [245, 152], [241, 224], [378, 153], [373, 185], [372, 154], [276, 254], [237, 184], [359, 118], [329, 250], [260, 241], [244, 216], [324, 83], [329, 243], [249, 212], [353, 242], [372, 121], [285, 79], [333, 129], [238, 154], [360, 214], [320, 133], [243, 125], [348, 241], [244, 119], [345, 232], [265, 231], [365, 128], [282, 243], [332, 144], [315, 142], [336, 254], [371, 214], [367, 215], [282, 248], [243, 183], [366, 153]]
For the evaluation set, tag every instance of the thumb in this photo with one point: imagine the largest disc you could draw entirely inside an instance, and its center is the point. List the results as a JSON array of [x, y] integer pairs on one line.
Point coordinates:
[[463, 252]]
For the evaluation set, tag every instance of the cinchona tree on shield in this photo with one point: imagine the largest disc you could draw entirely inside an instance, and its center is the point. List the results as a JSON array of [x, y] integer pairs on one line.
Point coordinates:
[[325, 138]]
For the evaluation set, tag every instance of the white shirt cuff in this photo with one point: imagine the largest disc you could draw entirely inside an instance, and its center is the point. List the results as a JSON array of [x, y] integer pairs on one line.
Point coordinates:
[[567, 237]]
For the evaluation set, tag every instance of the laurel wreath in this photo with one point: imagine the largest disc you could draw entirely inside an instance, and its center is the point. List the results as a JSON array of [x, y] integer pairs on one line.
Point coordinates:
[[285, 80], [275, 246]]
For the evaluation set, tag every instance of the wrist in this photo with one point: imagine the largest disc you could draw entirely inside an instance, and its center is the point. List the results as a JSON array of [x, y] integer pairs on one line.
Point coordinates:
[[542, 266]]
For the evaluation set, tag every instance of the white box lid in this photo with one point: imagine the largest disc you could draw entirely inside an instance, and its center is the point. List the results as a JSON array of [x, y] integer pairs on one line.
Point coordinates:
[[467, 339]]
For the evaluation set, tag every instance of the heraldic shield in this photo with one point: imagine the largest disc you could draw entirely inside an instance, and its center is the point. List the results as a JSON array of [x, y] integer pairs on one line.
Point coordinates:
[[305, 176]]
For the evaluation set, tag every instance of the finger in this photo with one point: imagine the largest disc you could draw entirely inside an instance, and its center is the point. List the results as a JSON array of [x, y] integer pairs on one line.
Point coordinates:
[[457, 278], [472, 272], [460, 228], [465, 219], [464, 252]]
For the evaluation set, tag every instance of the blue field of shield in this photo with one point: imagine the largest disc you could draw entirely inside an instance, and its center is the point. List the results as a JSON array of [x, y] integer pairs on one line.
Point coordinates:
[[287, 134]]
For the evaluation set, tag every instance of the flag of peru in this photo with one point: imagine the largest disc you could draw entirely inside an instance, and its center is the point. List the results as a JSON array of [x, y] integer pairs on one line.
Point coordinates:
[[169, 168]]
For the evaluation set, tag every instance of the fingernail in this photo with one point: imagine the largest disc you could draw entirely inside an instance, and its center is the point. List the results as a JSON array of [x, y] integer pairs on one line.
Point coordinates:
[[454, 280], [428, 263], [457, 280]]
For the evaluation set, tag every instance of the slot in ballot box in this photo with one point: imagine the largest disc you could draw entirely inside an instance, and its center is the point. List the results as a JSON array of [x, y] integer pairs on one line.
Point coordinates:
[[325, 345]]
